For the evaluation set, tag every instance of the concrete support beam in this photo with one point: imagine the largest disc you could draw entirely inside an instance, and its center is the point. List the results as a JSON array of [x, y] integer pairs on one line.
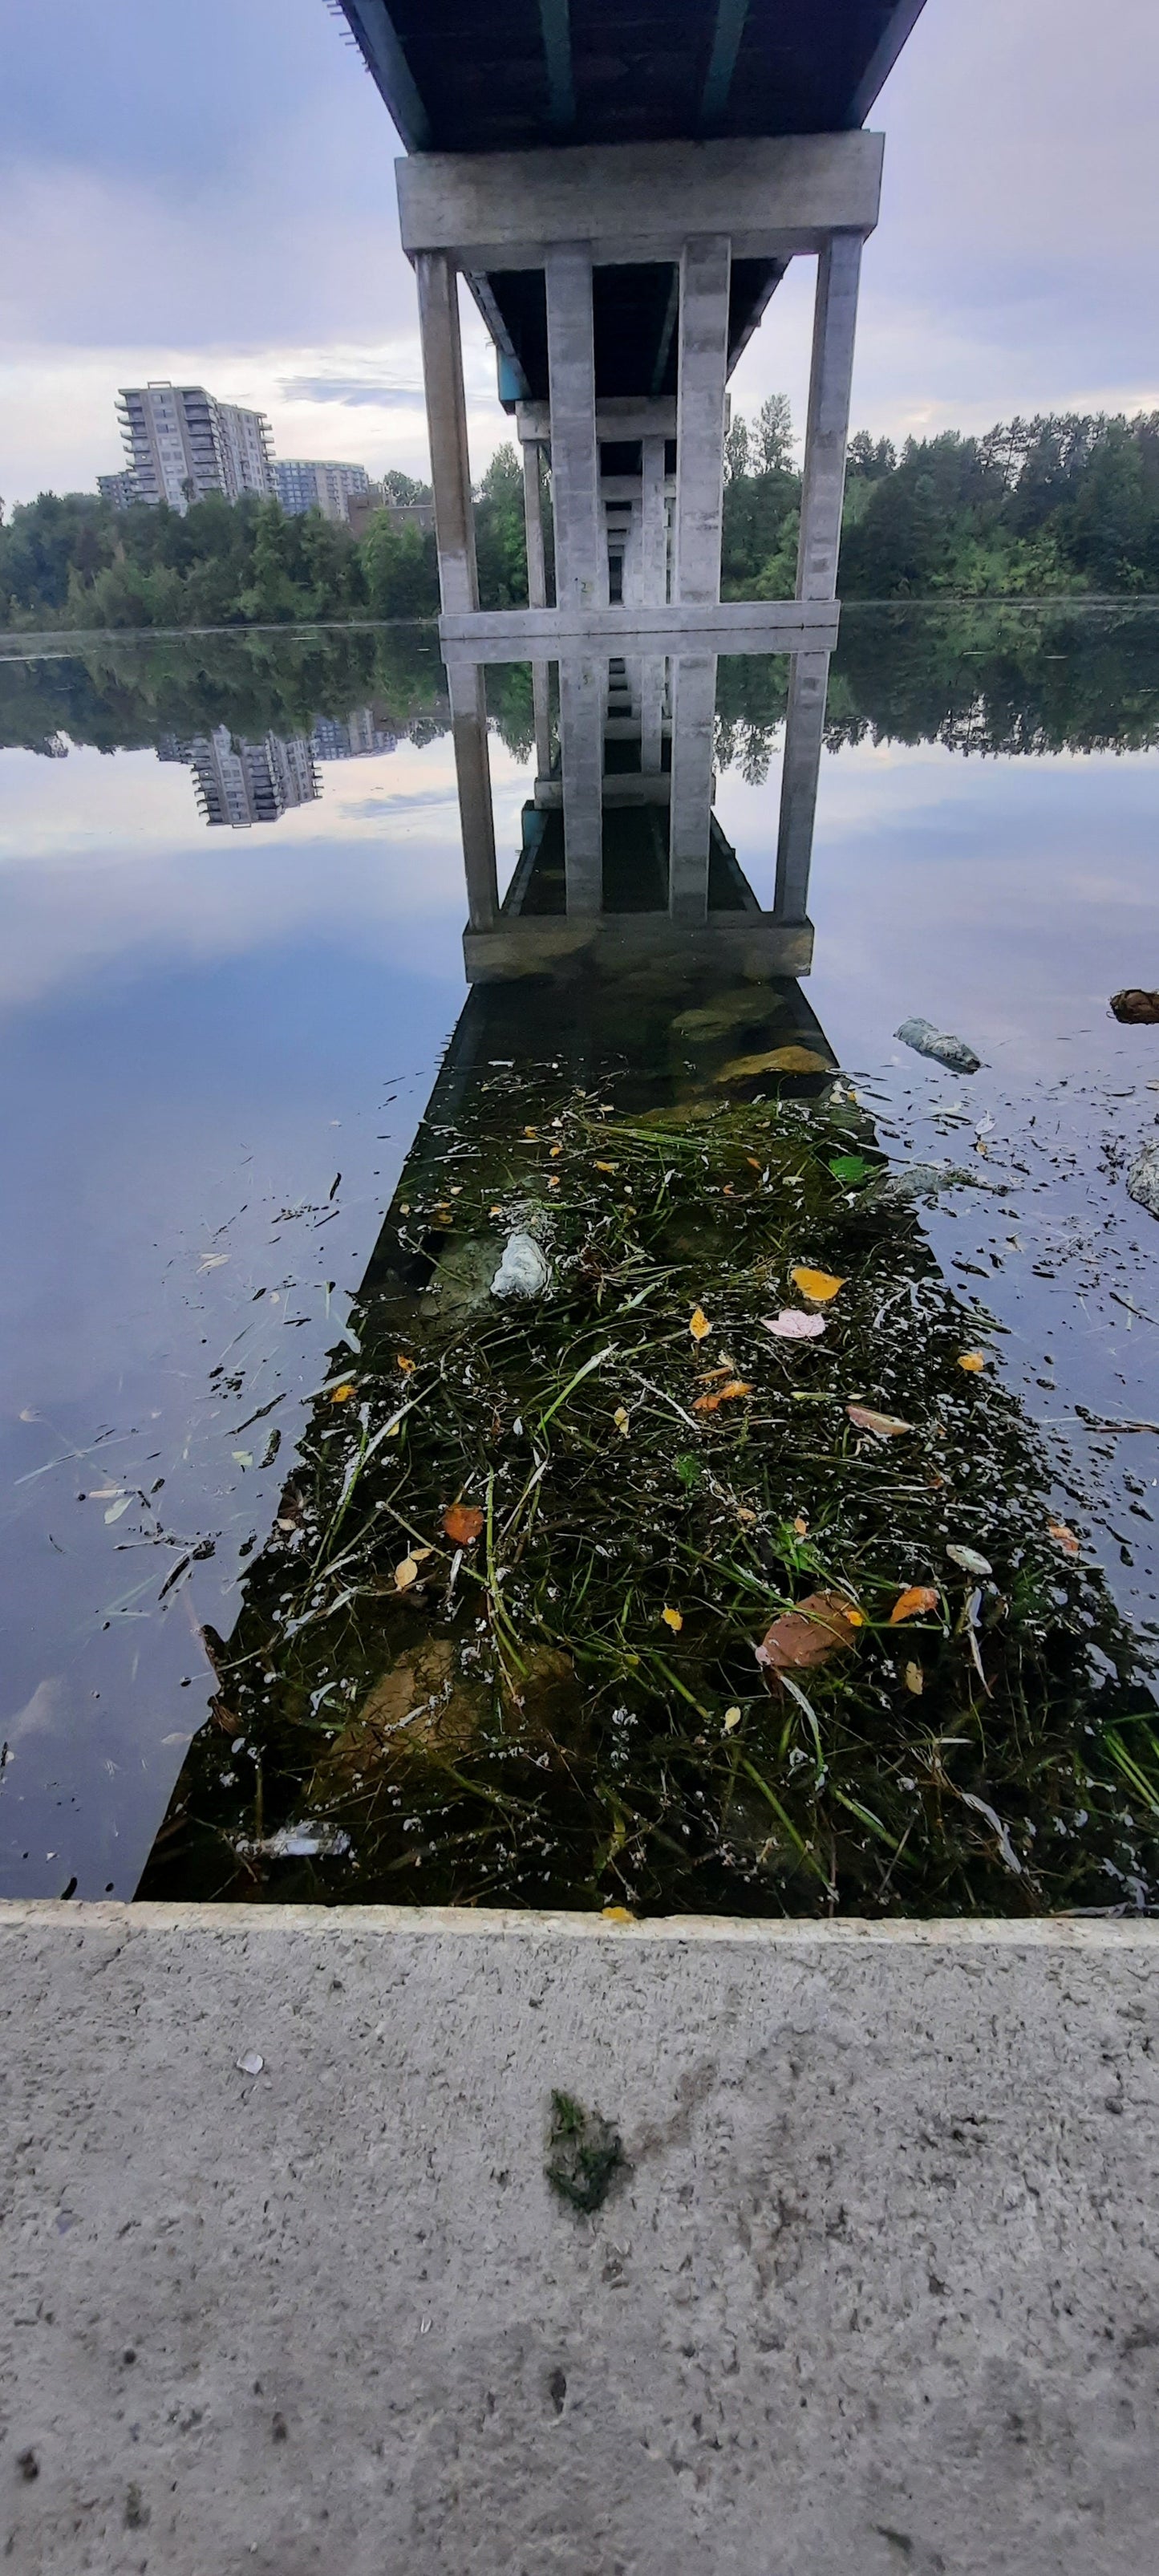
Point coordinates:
[[473, 776], [638, 201], [730, 626], [653, 674], [703, 367], [823, 487], [583, 685], [804, 739], [581, 573], [620, 418], [654, 526], [541, 712], [533, 526], [690, 809], [438, 295]]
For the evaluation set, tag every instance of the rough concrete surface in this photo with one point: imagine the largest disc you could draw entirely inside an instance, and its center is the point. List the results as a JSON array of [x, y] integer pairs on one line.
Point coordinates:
[[879, 2292]]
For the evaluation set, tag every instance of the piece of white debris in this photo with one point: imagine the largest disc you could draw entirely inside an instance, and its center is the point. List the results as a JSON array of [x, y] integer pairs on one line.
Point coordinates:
[[925, 1039], [969, 1560], [251, 2064], [1143, 1180], [523, 1271]]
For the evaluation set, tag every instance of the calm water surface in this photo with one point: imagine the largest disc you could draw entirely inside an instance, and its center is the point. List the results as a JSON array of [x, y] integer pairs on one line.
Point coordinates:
[[231, 885]]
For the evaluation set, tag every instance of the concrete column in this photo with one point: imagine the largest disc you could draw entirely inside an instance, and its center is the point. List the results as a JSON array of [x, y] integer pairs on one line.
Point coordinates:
[[704, 280], [533, 524], [804, 739], [653, 528], [583, 688], [473, 775], [438, 294], [693, 714], [652, 673], [581, 553], [823, 488], [541, 709]]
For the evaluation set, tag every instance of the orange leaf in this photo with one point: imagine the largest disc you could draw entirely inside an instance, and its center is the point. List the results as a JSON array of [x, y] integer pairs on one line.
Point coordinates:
[[823, 1624], [973, 1361], [1066, 1537], [462, 1523], [699, 1324], [402, 1362], [913, 1604], [886, 1426], [817, 1285], [343, 1393], [724, 1395]]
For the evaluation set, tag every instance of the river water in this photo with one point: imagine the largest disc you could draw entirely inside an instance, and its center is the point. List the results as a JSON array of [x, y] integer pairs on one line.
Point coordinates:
[[231, 884]]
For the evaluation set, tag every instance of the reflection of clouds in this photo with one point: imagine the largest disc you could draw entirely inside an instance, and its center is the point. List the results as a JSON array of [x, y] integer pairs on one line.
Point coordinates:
[[100, 871]]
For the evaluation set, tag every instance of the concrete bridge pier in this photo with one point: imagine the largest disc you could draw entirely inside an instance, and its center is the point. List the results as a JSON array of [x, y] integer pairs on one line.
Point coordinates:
[[690, 815], [800, 772]]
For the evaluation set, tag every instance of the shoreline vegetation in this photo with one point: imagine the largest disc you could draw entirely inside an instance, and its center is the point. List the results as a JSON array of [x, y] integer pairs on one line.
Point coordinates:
[[1064, 505]]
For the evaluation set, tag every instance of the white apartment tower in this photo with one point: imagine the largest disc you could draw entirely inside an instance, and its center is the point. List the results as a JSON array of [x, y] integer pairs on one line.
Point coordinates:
[[181, 443]]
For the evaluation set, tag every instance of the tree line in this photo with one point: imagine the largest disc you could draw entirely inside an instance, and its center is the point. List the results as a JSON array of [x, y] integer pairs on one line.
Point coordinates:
[[1063, 503]]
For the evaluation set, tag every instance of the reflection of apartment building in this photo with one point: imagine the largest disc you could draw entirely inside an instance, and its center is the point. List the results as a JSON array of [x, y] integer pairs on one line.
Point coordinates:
[[239, 783], [181, 443], [303, 483], [352, 737]]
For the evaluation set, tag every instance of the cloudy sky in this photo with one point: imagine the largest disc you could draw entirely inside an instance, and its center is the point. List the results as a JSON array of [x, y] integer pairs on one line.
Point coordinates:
[[203, 189]]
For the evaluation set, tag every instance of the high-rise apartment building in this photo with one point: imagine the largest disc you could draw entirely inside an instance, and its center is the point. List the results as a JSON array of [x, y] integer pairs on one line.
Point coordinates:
[[120, 490], [304, 483], [238, 783], [181, 443]]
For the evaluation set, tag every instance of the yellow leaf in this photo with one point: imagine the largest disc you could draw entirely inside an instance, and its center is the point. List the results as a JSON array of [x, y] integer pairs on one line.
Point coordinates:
[[672, 1619], [856, 1618], [620, 1419], [403, 1363], [973, 1361], [342, 1394], [495, 1211], [552, 1182], [801, 1525], [1066, 1537], [607, 1167], [914, 1679], [913, 1604], [556, 1151], [699, 1324], [406, 1573], [531, 1131], [616, 1914], [404, 1207], [731, 1720], [817, 1285], [782, 1059]]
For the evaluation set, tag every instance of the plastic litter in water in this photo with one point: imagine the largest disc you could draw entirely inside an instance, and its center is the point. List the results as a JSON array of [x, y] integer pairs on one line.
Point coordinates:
[[945, 1049], [523, 1271]]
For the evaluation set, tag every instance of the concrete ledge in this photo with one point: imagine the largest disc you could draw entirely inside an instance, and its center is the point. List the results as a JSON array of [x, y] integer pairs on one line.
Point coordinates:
[[880, 2291], [730, 626]]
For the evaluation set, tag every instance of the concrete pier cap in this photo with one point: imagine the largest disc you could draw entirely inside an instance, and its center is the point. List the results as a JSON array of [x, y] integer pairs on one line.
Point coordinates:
[[874, 2284]]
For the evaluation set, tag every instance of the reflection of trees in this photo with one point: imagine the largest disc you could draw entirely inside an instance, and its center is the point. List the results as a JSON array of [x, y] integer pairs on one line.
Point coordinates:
[[986, 679], [122, 694]]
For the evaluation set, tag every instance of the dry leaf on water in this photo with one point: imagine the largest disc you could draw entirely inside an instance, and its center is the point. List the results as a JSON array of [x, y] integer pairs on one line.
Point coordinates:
[[817, 1285], [794, 1325], [782, 1059], [913, 1604], [407, 1572], [731, 1720], [673, 1619], [724, 1395], [620, 1418], [616, 1914], [342, 1394], [884, 1426], [914, 1679], [823, 1624], [972, 1361], [401, 1361], [1058, 1530], [698, 1324], [462, 1524]]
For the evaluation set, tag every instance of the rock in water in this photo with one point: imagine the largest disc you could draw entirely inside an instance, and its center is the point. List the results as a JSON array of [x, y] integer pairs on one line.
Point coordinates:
[[925, 1039], [523, 1271], [1134, 1005], [1143, 1179]]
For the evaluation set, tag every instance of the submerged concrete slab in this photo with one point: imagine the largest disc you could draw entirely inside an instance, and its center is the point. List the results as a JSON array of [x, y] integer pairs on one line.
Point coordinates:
[[878, 2291]]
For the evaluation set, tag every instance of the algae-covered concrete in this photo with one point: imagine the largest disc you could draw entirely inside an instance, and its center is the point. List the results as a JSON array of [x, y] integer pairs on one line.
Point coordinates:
[[878, 2290]]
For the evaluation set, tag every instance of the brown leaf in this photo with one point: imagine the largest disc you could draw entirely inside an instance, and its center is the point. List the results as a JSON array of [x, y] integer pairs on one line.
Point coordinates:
[[822, 1625], [724, 1395], [462, 1524], [886, 1426], [913, 1604], [1066, 1537], [698, 1324]]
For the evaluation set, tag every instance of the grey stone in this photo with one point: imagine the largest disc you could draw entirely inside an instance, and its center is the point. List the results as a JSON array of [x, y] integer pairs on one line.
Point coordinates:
[[1143, 1179], [876, 2288], [927, 1040]]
